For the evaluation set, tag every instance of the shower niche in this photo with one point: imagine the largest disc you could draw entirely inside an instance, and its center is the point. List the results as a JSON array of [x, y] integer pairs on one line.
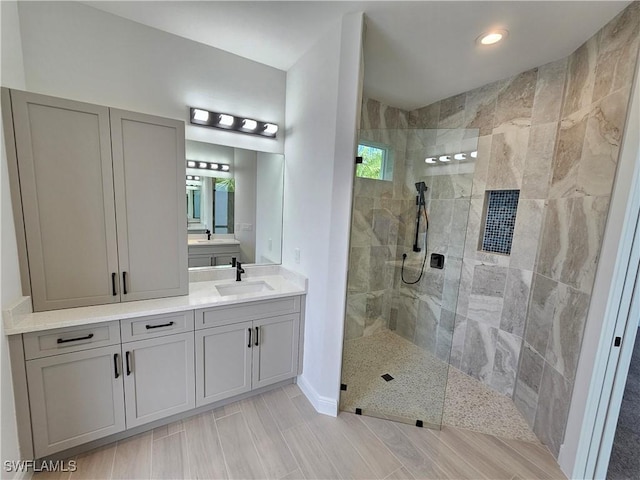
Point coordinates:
[[501, 207]]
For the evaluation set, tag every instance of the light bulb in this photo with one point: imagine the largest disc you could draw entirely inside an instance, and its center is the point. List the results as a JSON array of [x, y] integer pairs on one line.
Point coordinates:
[[460, 156], [474, 154], [445, 158], [213, 166], [202, 165], [200, 115], [430, 160], [249, 124], [191, 164], [189, 177], [225, 168], [270, 128], [226, 120]]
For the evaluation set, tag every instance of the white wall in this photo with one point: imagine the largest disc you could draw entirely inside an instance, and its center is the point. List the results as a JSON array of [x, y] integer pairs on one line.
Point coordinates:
[[269, 197], [11, 75], [75, 51], [244, 171], [322, 104]]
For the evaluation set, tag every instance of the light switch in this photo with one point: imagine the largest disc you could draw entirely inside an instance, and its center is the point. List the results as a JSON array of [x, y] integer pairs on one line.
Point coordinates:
[[297, 255]]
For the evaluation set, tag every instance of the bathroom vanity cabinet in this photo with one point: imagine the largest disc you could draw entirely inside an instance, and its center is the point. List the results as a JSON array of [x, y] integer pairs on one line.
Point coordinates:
[[88, 382], [102, 195], [260, 348], [76, 393], [213, 255]]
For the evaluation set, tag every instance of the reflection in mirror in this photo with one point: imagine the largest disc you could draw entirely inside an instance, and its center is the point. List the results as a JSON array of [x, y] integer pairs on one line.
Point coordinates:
[[235, 212], [215, 215]]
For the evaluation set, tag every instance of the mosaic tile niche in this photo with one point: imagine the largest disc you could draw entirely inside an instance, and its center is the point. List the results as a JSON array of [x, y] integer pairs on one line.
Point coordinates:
[[500, 220]]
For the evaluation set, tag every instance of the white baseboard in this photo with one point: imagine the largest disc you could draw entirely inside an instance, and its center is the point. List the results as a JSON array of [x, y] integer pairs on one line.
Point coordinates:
[[324, 405]]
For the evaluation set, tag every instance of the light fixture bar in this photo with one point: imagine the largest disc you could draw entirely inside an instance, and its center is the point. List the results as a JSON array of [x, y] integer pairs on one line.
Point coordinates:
[[207, 165], [225, 121], [447, 157]]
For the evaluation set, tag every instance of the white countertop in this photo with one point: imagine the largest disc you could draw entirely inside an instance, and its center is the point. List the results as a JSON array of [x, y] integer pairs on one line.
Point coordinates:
[[216, 239], [202, 294]]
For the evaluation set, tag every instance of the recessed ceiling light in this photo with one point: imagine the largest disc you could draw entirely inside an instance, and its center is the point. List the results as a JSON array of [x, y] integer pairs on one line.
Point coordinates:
[[491, 38]]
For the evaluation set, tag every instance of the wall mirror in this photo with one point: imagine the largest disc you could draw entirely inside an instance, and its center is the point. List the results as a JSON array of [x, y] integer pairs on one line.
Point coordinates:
[[234, 205]]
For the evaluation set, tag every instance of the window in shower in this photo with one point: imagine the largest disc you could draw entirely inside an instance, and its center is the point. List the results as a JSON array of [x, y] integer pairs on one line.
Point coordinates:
[[376, 162], [500, 220]]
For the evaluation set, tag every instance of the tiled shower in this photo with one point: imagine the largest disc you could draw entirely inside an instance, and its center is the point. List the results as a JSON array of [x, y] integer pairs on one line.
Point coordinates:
[[512, 321]]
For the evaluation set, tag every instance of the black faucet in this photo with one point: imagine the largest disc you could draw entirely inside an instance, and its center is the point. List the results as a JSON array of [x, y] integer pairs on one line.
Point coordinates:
[[239, 271], [208, 232]]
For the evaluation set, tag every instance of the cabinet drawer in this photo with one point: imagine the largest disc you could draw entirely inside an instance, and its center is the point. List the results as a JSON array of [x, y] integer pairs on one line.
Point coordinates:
[[70, 339], [212, 317], [156, 326]]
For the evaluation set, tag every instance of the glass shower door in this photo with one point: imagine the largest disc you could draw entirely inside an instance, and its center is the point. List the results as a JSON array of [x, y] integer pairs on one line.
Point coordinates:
[[409, 219]]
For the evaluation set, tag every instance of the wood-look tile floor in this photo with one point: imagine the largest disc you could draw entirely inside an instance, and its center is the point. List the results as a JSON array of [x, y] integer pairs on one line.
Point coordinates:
[[279, 435]]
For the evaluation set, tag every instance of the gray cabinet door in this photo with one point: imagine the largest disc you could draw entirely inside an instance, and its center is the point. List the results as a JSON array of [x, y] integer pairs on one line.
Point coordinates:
[[158, 378], [223, 362], [225, 259], [75, 398], [149, 176], [200, 260], [275, 350], [66, 183]]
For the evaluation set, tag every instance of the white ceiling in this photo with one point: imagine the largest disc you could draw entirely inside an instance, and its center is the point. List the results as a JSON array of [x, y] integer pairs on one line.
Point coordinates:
[[415, 52]]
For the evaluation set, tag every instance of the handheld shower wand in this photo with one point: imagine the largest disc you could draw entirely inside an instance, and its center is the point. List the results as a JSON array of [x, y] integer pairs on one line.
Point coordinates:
[[421, 187]]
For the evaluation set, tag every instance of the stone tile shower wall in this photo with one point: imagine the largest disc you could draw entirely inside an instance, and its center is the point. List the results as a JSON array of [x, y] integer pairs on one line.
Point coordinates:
[[593, 114], [516, 122], [553, 133], [375, 227], [424, 312], [383, 223]]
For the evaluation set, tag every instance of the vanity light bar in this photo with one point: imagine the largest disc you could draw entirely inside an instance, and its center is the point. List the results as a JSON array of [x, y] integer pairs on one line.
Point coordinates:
[[207, 165], [224, 121], [446, 158]]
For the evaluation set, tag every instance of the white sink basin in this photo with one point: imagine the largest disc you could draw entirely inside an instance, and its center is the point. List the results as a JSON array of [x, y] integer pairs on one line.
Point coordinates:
[[240, 288], [214, 241]]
